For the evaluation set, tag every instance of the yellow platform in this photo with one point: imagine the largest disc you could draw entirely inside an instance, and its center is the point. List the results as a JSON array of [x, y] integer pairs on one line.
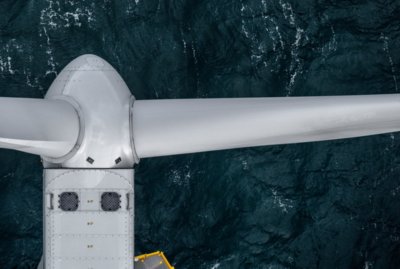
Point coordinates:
[[155, 260]]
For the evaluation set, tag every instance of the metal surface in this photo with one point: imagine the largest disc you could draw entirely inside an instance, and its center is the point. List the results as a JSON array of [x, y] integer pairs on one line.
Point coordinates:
[[103, 102], [167, 127], [155, 260], [68, 201], [88, 237], [110, 201], [97, 233]]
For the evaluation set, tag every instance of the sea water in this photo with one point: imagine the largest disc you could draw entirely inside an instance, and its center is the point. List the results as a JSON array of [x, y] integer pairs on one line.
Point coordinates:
[[315, 205]]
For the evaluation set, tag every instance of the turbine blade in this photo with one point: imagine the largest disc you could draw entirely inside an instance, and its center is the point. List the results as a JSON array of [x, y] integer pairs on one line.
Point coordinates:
[[168, 127], [45, 127]]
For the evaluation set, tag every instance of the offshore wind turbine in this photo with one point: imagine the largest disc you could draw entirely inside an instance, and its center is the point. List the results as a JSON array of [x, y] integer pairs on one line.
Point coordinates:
[[90, 132]]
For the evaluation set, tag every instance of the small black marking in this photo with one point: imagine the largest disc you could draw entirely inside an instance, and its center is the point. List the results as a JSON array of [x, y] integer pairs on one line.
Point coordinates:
[[118, 160], [90, 160]]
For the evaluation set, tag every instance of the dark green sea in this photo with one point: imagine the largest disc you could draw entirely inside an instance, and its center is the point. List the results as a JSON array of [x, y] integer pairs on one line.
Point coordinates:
[[332, 204]]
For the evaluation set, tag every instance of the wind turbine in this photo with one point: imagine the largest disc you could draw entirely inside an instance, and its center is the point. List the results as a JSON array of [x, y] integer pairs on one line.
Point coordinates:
[[90, 132]]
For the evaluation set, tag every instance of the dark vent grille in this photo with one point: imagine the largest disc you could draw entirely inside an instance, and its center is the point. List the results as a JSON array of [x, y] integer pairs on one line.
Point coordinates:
[[69, 201], [110, 201]]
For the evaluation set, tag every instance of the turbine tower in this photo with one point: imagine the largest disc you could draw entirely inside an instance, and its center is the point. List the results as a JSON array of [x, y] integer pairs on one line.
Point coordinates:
[[90, 132]]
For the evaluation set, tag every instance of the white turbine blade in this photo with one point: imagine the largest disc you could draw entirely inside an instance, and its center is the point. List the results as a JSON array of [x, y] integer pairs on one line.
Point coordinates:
[[45, 127], [167, 127]]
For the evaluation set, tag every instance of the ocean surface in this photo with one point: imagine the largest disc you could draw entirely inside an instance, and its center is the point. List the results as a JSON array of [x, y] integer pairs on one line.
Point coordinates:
[[330, 204]]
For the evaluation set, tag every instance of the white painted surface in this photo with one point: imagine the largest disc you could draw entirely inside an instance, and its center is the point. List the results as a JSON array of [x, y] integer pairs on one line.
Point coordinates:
[[167, 127], [88, 237], [103, 102], [44, 127]]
